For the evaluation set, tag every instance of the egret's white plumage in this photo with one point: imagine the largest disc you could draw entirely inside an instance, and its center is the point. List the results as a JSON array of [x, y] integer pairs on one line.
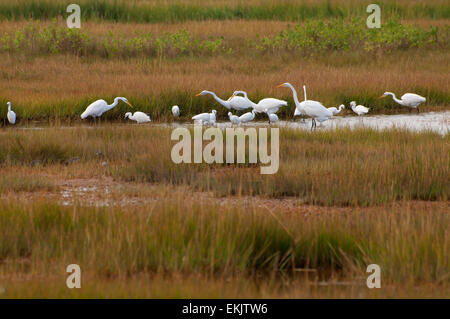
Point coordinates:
[[273, 118], [315, 110], [97, 108], [234, 119], [410, 100], [267, 105], [206, 118], [335, 110], [237, 103], [247, 117], [175, 111], [359, 109], [11, 115], [139, 117]]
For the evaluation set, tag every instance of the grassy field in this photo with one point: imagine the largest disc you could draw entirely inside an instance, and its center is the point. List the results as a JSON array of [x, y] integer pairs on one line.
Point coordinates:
[[380, 190], [108, 197]]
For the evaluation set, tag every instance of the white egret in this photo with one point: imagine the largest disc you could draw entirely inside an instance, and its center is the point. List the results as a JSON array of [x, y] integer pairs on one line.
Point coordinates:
[[315, 110], [206, 118], [335, 111], [296, 111], [97, 108], [410, 100], [11, 115], [237, 103], [267, 105], [359, 109], [234, 119], [247, 117], [273, 118], [139, 117], [175, 111]]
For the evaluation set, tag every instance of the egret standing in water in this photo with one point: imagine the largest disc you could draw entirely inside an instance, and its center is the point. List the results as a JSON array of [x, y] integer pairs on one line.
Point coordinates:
[[410, 100], [11, 115], [139, 117], [315, 110], [97, 108], [359, 109], [206, 118], [234, 119]]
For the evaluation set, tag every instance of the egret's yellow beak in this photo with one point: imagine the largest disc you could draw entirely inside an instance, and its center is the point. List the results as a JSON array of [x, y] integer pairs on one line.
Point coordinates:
[[231, 97], [278, 86], [198, 94], [381, 97], [129, 104]]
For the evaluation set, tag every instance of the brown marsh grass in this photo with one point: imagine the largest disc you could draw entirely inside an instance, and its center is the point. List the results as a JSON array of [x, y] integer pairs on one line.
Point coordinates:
[[178, 247], [337, 167]]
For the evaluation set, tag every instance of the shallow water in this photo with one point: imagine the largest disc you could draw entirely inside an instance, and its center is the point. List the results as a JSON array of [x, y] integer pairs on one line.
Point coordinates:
[[438, 122]]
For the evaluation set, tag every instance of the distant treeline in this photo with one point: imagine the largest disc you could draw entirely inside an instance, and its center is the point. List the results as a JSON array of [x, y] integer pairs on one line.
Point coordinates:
[[132, 12]]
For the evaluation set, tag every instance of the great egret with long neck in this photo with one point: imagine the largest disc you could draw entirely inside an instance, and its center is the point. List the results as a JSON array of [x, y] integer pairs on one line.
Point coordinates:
[[268, 105], [315, 110], [410, 100], [11, 115], [139, 117], [97, 108], [237, 103]]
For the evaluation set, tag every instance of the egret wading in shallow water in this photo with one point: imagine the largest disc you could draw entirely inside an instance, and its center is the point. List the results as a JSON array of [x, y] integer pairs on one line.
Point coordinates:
[[237, 103], [234, 119], [359, 109], [410, 100], [268, 105], [335, 110], [247, 117], [139, 117], [175, 111], [11, 115], [313, 109], [206, 118], [97, 108]]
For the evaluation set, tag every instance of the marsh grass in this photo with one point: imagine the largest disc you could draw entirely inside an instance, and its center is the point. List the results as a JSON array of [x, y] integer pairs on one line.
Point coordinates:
[[343, 167], [125, 11], [18, 182], [182, 236]]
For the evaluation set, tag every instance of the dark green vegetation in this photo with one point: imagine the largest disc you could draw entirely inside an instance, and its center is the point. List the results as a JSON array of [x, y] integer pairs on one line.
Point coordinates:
[[128, 12], [312, 38]]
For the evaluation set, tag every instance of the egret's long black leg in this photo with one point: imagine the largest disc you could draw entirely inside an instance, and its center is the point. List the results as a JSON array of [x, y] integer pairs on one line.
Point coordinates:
[[418, 111]]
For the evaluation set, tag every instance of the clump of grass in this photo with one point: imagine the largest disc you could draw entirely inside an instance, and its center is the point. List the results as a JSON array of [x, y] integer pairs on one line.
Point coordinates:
[[22, 183]]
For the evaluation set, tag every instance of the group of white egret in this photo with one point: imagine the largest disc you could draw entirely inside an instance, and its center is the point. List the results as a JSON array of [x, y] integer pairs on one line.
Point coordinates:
[[239, 101]]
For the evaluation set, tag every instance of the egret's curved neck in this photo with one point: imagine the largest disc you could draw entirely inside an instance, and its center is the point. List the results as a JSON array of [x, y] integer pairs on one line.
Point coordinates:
[[218, 99], [9, 107], [294, 93], [304, 91], [116, 101], [243, 93], [395, 98], [341, 107]]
